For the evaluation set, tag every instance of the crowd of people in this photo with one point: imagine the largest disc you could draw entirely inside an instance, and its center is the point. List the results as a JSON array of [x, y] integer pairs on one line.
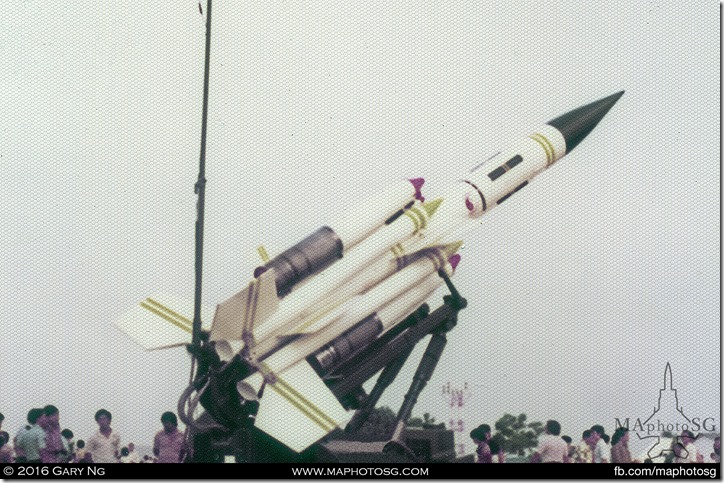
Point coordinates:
[[40, 440], [595, 447]]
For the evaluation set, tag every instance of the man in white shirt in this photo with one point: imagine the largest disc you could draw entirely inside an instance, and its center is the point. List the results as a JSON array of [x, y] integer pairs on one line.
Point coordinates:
[[551, 448], [104, 445], [601, 451]]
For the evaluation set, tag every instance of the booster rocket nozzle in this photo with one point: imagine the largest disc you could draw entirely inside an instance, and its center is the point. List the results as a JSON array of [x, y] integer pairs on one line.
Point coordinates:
[[575, 125]]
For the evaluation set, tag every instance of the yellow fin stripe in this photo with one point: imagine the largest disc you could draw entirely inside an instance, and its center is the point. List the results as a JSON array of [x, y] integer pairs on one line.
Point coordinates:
[[172, 313], [304, 405], [166, 317], [297, 405]]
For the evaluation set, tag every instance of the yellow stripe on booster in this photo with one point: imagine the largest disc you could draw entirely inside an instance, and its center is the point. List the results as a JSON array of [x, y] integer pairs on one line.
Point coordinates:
[[166, 317], [304, 405], [163, 308]]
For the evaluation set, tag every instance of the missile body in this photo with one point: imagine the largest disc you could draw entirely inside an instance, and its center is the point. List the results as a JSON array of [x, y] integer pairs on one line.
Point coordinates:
[[484, 187], [378, 284]]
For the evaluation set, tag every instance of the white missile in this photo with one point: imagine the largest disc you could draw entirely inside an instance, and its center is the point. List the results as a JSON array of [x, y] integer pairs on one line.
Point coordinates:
[[316, 305], [347, 345], [239, 314], [404, 287], [385, 267]]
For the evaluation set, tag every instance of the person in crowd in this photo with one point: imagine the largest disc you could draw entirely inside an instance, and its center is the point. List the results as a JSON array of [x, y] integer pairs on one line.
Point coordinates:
[[105, 445], [619, 446], [716, 455], [133, 456], [169, 444], [571, 449], [30, 439], [684, 449], [551, 448], [496, 450], [19, 452], [7, 454], [481, 436], [584, 450], [68, 435], [80, 453], [124, 455], [601, 452], [677, 452], [2, 418], [56, 447]]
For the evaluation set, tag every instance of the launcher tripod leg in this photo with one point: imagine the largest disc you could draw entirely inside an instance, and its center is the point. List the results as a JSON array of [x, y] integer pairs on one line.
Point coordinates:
[[387, 377], [427, 366]]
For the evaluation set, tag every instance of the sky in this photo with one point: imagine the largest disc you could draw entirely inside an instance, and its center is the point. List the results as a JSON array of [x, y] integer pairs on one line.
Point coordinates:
[[580, 289]]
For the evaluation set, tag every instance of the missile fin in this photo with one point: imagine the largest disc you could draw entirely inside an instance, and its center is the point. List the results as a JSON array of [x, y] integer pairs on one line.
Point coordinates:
[[298, 409], [244, 312], [263, 254], [162, 321]]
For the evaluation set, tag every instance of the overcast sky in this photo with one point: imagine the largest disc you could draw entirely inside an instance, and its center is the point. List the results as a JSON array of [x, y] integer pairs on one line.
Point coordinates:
[[580, 289]]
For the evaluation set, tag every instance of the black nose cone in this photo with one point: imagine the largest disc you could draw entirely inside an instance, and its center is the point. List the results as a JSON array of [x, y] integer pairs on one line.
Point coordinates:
[[576, 124]]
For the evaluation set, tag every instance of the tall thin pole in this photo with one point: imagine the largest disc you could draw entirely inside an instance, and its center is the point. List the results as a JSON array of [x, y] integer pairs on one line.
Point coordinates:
[[199, 188]]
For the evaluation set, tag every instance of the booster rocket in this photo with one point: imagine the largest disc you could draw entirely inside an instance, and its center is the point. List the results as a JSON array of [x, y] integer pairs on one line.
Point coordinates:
[[342, 295]]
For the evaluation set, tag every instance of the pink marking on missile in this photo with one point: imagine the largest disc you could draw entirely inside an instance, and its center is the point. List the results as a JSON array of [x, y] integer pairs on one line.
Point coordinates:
[[454, 260], [417, 184], [469, 204], [258, 271]]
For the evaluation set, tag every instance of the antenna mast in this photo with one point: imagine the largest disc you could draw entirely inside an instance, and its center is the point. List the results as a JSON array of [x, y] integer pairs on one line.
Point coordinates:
[[199, 189]]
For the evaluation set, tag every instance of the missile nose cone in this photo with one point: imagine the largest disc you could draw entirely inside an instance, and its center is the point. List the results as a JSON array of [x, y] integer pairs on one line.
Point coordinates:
[[431, 207], [578, 123]]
